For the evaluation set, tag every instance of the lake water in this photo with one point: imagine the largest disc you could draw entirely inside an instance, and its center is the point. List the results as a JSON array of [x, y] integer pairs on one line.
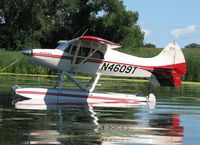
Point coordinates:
[[175, 119]]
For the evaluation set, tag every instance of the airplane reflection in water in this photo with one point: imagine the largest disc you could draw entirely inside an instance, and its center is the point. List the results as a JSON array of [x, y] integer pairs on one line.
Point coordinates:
[[80, 120]]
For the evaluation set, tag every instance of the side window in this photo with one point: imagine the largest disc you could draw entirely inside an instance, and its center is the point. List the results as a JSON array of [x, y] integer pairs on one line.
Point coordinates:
[[64, 46], [67, 47], [97, 55], [83, 52], [73, 50]]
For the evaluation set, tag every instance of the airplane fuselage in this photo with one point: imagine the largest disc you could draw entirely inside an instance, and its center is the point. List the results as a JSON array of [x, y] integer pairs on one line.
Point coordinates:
[[114, 63]]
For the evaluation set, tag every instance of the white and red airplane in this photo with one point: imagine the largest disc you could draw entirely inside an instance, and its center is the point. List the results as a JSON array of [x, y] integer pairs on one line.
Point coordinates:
[[96, 56]]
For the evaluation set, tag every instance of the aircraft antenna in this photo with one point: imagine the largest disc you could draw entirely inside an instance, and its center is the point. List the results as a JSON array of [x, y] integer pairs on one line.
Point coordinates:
[[84, 32], [78, 32]]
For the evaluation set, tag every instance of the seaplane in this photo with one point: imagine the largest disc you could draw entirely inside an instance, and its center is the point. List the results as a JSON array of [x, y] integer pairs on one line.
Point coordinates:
[[98, 57]]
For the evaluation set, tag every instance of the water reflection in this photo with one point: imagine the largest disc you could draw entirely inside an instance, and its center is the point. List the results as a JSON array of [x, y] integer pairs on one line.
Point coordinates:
[[72, 126], [75, 122], [162, 129], [175, 119]]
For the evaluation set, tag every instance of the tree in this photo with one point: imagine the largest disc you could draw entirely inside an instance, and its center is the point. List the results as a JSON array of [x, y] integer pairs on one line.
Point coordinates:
[[25, 23], [119, 25], [193, 45], [29, 23], [149, 45]]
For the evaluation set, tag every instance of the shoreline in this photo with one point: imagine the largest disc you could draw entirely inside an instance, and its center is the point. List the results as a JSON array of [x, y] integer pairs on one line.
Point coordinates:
[[86, 78]]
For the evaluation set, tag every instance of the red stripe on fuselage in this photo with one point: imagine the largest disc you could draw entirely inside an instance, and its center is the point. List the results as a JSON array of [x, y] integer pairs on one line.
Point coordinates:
[[181, 66], [52, 56], [63, 57]]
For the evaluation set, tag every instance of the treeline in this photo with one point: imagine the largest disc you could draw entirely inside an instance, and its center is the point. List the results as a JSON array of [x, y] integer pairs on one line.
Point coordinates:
[[193, 45], [17, 63], [41, 23]]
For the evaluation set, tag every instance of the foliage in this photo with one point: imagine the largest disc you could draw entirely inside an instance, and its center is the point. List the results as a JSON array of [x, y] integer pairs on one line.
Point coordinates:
[[28, 23], [149, 45], [193, 63], [17, 63], [193, 45], [141, 51]]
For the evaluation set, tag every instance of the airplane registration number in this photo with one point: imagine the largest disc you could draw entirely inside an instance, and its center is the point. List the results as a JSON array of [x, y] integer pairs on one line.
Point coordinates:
[[118, 68]]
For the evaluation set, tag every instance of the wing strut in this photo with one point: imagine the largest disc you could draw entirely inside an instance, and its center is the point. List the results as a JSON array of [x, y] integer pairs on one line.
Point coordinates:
[[93, 81]]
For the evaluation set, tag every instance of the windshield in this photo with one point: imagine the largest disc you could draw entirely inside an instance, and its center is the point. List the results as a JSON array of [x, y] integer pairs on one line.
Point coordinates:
[[64, 46]]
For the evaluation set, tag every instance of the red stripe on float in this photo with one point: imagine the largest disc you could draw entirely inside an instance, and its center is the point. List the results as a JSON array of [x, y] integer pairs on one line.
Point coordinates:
[[78, 96]]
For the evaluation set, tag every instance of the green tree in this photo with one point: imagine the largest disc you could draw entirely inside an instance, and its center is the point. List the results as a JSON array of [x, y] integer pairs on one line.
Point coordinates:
[[149, 45], [28, 23], [119, 25], [193, 45]]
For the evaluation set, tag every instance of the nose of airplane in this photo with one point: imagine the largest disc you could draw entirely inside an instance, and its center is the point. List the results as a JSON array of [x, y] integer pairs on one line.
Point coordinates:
[[26, 52]]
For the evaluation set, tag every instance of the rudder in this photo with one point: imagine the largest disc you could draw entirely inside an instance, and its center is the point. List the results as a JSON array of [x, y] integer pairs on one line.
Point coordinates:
[[170, 74]]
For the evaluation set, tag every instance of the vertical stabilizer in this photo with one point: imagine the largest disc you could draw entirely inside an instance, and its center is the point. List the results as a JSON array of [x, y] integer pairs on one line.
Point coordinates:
[[170, 74]]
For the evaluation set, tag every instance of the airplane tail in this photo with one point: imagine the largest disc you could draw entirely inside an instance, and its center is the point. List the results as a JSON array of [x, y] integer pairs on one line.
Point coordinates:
[[174, 67]]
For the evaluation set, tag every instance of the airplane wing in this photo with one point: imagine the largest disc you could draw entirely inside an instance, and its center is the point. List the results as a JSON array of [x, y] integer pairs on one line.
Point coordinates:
[[106, 43], [91, 42]]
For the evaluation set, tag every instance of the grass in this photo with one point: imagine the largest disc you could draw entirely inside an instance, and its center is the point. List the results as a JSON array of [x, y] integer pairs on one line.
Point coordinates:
[[87, 78], [78, 77], [12, 62]]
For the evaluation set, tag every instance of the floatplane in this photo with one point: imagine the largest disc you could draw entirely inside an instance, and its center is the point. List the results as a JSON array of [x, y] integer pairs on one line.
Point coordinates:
[[98, 57]]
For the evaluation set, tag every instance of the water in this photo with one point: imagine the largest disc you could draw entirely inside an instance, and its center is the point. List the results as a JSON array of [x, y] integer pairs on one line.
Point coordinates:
[[175, 119]]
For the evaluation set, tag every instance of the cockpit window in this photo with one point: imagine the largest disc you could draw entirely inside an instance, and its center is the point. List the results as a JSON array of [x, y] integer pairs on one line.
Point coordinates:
[[84, 52], [64, 46]]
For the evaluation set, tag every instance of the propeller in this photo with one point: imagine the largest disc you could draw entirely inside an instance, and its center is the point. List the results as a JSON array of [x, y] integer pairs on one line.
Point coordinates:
[[26, 52]]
